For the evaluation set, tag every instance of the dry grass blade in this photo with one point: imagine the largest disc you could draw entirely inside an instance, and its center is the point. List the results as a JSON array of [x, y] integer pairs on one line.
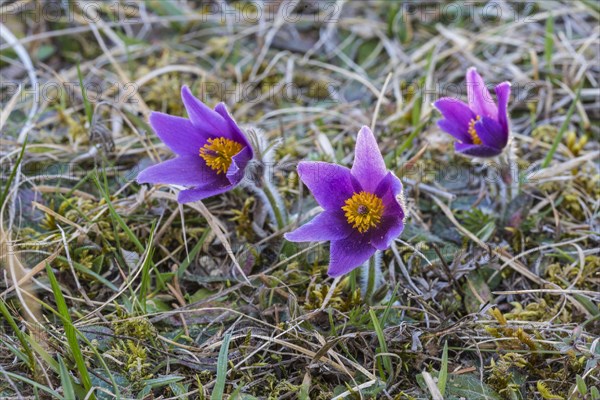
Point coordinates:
[[20, 277], [9, 107]]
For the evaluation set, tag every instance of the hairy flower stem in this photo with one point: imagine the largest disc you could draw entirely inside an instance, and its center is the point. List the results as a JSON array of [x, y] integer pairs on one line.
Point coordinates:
[[511, 159], [272, 198], [504, 200], [261, 179], [509, 187], [371, 273]]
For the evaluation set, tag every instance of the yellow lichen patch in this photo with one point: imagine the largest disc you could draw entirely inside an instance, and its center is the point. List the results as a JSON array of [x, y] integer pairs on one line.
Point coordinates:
[[218, 153], [473, 132], [363, 211]]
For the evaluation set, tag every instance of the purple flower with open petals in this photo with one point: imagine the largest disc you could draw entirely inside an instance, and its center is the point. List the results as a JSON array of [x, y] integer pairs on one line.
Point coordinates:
[[212, 151], [481, 127], [363, 210]]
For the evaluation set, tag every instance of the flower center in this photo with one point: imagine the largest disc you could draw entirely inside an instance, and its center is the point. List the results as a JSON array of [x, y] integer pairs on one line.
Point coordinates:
[[473, 132], [363, 211], [218, 153]]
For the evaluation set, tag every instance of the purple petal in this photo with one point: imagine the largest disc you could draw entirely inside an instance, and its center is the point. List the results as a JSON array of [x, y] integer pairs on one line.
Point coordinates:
[[503, 94], [392, 222], [330, 184], [491, 133], [188, 170], [200, 193], [369, 167], [477, 150], [207, 121], [179, 134], [329, 225], [388, 189], [233, 132], [480, 99], [391, 227], [457, 117], [236, 170], [349, 253]]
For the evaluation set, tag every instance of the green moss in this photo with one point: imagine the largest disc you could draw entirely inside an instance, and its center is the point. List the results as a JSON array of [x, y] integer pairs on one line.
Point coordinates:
[[138, 328]]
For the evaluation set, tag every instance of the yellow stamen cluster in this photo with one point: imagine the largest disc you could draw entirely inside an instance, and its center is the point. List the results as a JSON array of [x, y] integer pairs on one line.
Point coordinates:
[[218, 153], [363, 211], [473, 132]]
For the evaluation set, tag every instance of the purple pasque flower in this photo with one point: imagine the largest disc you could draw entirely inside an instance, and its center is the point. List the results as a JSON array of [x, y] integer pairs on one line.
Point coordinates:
[[363, 210], [481, 127], [212, 151]]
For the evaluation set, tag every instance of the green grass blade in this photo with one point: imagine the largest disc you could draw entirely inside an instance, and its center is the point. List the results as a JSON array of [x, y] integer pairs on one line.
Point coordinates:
[[163, 381], [388, 308], [36, 385], [117, 217], [104, 365], [549, 42], [54, 364], [186, 262], [86, 271], [86, 102], [217, 393], [65, 380], [592, 4], [411, 137], [564, 127], [43, 354], [305, 388], [416, 111], [587, 304], [443, 377], [17, 352], [70, 332], [20, 335], [145, 284], [387, 362], [12, 174]]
